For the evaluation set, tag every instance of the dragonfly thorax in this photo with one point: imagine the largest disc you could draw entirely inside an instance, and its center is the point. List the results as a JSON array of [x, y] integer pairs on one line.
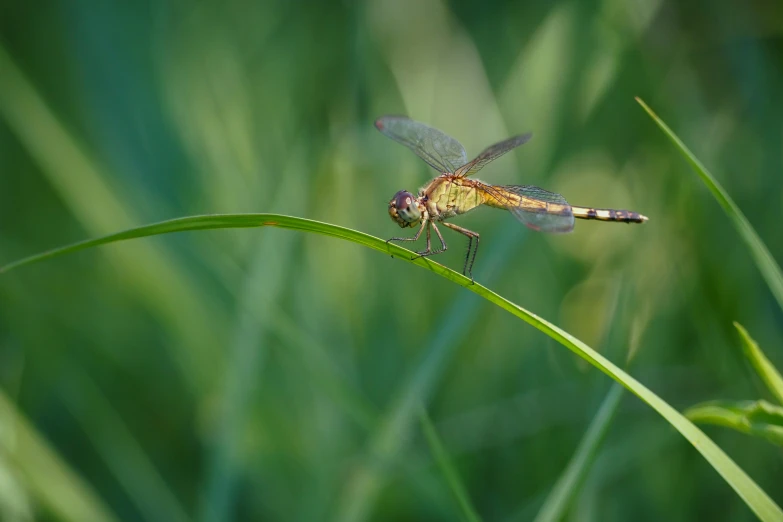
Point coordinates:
[[406, 210]]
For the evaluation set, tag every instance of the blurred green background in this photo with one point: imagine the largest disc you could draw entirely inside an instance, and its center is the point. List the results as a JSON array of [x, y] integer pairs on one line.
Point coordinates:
[[271, 375]]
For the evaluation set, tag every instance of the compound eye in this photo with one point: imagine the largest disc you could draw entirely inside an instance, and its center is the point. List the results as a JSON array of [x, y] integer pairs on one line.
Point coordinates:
[[406, 207], [403, 200]]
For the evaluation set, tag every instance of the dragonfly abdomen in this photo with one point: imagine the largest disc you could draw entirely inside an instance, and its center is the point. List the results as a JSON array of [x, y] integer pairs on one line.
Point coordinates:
[[607, 214]]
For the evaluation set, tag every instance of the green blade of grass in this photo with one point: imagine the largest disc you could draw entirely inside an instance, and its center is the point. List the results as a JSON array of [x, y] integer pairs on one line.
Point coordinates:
[[756, 418], [122, 453], [260, 292], [770, 270], [560, 497], [387, 442], [101, 206], [54, 485], [217, 221], [756, 499], [571, 480], [323, 370], [447, 468], [768, 373]]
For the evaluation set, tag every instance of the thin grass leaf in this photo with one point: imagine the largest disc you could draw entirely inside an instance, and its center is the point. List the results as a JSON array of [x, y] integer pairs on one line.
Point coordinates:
[[124, 456], [55, 486], [756, 418], [770, 270], [569, 484], [768, 373], [560, 497], [101, 206], [756, 499], [259, 294], [323, 370], [209, 222], [388, 440], [447, 468]]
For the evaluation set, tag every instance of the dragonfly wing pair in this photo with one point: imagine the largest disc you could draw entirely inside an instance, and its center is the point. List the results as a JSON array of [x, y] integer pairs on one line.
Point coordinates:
[[538, 209], [441, 152]]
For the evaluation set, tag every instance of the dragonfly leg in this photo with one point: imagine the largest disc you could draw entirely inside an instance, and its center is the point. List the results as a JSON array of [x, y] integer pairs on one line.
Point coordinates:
[[429, 251], [429, 240], [443, 246], [469, 260], [424, 223]]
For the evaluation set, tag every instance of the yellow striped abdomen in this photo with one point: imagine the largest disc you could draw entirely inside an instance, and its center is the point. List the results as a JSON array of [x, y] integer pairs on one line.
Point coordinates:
[[511, 197], [607, 214]]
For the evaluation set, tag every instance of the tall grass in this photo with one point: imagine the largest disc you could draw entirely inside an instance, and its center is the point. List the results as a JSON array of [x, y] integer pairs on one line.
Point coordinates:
[[756, 499]]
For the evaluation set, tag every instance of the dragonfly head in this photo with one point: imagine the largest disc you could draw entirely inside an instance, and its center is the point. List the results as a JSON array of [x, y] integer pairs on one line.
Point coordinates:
[[405, 210]]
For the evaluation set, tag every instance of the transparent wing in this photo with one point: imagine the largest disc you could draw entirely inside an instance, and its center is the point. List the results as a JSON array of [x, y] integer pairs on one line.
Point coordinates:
[[537, 208], [440, 151], [492, 153]]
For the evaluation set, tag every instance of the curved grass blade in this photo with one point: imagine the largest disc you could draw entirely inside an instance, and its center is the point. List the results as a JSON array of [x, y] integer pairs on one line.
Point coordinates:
[[447, 468], [768, 373], [560, 497], [567, 485], [101, 206], [756, 418], [756, 499], [259, 294], [770, 270], [207, 222], [387, 442]]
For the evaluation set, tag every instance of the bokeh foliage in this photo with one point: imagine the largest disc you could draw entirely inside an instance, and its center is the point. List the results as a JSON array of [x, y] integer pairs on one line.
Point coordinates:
[[259, 374]]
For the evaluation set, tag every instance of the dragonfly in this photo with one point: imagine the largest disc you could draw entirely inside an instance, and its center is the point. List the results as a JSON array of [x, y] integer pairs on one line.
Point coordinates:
[[454, 192]]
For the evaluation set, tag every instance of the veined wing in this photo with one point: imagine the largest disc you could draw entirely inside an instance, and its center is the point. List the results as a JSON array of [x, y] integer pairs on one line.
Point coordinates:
[[492, 153], [440, 151], [537, 208]]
